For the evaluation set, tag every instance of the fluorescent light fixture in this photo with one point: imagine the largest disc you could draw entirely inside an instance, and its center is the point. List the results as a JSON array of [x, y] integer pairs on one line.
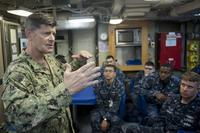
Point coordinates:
[[115, 21], [65, 24], [81, 20], [75, 22], [20, 12]]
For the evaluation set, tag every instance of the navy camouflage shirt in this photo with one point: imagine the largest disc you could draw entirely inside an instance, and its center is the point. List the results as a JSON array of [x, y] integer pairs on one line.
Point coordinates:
[[108, 103], [108, 96], [169, 88], [179, 116]]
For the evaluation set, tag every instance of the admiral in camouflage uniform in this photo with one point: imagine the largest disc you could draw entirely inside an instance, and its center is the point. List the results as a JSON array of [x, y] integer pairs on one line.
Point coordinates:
[[108, 94], [38, 88], [34, 94]]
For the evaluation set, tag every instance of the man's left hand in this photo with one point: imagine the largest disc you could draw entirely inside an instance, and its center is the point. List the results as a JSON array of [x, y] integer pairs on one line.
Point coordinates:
[[104, 125]]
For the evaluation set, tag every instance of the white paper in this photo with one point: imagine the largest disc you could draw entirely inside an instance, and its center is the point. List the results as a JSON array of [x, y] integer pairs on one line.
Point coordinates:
[[172, 33], [14, 48], [170, 42], [103, 47], [13, 36]]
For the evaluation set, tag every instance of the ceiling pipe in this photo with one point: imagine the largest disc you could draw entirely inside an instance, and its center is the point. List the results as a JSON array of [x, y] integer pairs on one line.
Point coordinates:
[[117, 7], [163, 3], [185, 8], [137, 10], [144, 5], [133, 14]]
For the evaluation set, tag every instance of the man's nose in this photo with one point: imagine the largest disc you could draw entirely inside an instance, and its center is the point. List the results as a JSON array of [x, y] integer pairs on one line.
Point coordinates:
[[185, 87], [52, 37]]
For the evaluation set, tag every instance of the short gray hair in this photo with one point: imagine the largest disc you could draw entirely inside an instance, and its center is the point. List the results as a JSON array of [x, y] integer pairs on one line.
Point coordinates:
[[35, 20]]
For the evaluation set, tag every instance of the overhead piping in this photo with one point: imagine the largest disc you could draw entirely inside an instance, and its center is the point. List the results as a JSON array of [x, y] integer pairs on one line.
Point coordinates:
[[117, 7]]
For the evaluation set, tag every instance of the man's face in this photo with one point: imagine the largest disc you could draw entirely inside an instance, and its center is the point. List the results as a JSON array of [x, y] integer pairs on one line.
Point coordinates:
[[110, 61], [188, 89], [165, 73], [148, 70], [43, 39], [109, 73]]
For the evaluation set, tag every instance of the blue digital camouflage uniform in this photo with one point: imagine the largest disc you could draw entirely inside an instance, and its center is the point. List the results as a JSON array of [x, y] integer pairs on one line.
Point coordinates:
[[146, 84], [172, 86], [142, 85], [169, 89], [35, 98], [180, 116], [196, 69], [108, 103], [175, 118], [145, 105], [156, 85]]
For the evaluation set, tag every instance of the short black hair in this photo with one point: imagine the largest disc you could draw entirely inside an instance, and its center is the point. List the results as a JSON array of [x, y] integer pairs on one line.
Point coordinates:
[[109, 56], [168, 65], [149, 63], [113, 66], [35, 20]]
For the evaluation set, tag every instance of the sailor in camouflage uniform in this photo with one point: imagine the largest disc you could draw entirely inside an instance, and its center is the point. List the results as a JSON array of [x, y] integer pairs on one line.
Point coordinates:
[[119, 74], [179, 114], [183, 112], [152, 91], [167, 85], [104, 118], [38, 89], [143, 81]]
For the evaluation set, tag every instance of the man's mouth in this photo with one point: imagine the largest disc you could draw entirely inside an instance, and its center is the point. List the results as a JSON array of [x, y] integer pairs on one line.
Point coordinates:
[[50, 45]]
